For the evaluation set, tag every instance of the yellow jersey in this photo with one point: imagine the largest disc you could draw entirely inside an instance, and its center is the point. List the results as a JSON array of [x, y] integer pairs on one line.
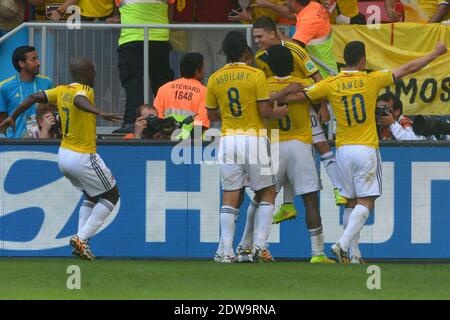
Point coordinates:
[[304, 67], [78, 126], [236, 89], [421, 10], [96, 9], [353, 96], [296, 124]]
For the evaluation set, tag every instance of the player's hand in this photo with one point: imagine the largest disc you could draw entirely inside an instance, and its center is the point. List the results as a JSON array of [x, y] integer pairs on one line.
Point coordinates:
[[294, 87], [323, 113], [113, 117], [440, 49], [8, 123], [280, 111], [386, 121]]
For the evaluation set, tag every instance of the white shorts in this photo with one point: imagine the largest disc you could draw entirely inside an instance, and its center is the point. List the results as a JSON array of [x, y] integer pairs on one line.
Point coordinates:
[[359, 170], [318, 135], [86, 171], [296, 164], [245, 157]]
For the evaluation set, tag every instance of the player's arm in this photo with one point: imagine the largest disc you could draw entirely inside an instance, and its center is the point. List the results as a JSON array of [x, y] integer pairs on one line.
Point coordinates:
[[83, 103], [267, 112], [213, 114], [321, 109], [441, 13], [10, 121], [418, 64]]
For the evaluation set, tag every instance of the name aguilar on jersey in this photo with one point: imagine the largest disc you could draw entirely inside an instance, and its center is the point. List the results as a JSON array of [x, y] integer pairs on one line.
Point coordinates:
[[232, 76]]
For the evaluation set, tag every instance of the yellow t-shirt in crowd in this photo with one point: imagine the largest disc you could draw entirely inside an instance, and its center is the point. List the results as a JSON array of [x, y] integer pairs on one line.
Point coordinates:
[[97, 8], [304, 67], [296, 124], [353, 96], [235, 89], [78, 126], [420, 10]]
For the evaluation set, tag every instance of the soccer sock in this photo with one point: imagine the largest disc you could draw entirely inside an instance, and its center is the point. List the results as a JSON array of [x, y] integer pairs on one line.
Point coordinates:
[[329, 162], [317, 241], [288, 193], [356, 222], [264, 222], [353, 247], [99, 213], [84, 213], [227, 228], [247, 237], [347, 212]]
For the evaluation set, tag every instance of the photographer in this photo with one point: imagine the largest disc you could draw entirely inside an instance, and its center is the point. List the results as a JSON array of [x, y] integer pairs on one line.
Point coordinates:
[[140, 126], [392, 124], [48, 123]]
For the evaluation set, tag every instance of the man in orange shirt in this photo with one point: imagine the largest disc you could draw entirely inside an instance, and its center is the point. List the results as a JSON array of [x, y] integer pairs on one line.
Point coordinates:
[[185, 96], [313, 32]]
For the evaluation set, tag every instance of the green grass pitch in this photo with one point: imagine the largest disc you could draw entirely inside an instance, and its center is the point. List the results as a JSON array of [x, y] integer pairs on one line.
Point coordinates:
[[46, 278]]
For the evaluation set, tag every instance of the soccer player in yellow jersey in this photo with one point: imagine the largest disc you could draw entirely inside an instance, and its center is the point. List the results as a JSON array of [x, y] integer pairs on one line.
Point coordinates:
[[353, 94], [77, 157], [238, 95], [293, 143], [265, 35]]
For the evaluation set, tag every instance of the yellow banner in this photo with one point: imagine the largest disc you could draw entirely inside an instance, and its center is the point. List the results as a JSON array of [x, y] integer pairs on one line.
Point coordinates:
[[392, 45]]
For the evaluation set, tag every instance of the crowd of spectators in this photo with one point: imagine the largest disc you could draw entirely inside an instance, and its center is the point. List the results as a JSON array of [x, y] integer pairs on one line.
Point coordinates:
[[310, 23]]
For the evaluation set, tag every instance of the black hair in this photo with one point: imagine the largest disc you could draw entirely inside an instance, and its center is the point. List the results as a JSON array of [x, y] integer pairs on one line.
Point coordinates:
[[303, 2], [281, 61], [20, 54], [234, 45], [353, 53], [190, 63], [397, 103], [265, 23], [82, 71]]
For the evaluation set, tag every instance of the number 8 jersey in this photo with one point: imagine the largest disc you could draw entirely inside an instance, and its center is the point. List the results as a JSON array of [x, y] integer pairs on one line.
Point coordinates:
[[235, 89], [78, 126], [353, 96]]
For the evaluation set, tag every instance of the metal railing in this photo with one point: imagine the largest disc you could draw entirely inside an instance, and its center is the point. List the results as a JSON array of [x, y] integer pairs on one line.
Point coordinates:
[[46, 27]]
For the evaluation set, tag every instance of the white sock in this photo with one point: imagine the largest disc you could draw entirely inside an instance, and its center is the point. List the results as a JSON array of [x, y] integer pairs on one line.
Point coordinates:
[[227, 228], [356, 222], [317, 241], [84, 213], [329, 162], [264, 222], [247, 237], [288, 193], [353, 247], [99, 213], [347, 212]]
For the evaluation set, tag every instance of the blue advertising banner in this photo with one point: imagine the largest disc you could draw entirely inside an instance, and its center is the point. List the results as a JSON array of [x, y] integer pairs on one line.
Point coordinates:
[[170, 209]]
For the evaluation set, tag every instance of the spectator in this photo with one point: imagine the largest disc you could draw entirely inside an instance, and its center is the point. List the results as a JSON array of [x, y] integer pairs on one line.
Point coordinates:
[[344, 11], [13, 13], [140, 125], [394, 126], [185, 96], [90, 10], [48, 126], [16, 88], [422, 11], [313, 32], [44, 10], [131, 57], [252, 10]]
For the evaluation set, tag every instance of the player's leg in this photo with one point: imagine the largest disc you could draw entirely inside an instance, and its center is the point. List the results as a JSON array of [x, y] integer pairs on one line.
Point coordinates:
[[287, 210], [245, 246], [353, 250], [228, 216], [327, 157]]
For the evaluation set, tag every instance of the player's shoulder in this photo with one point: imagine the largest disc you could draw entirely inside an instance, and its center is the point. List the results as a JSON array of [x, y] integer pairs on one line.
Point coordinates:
[[296, 49], [260, 52], [7, 82], [378, 73]]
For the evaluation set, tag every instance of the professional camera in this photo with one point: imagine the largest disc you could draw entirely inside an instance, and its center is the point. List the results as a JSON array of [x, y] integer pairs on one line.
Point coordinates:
[[427, 126], [164, 126], [56, 128], [382, 111]]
